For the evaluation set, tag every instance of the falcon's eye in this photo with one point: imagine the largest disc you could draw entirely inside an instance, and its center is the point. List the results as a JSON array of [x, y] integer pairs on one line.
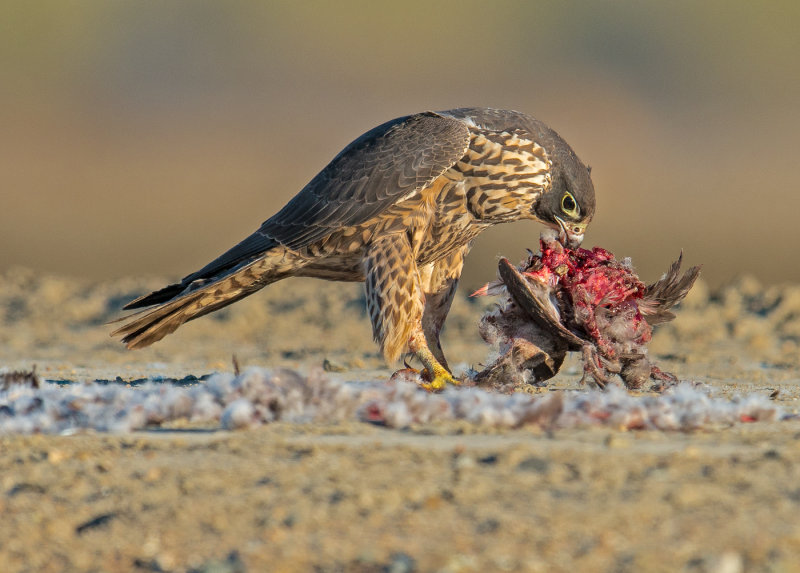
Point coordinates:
[[568, 205]]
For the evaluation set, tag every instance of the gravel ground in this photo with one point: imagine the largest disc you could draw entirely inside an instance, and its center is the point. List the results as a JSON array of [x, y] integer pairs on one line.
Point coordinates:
[[358, 497]]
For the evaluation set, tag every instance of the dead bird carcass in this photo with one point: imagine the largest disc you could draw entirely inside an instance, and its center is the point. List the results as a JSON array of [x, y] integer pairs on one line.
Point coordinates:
[[562, 300]]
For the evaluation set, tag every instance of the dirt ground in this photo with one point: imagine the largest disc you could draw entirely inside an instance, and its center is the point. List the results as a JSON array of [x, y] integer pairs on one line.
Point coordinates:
[[357, 497]]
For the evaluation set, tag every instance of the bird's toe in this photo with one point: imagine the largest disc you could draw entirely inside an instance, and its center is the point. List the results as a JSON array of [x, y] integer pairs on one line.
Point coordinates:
[[437, 379]]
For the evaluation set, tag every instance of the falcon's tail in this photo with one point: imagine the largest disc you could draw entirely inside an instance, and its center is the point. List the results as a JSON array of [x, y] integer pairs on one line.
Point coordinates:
[[181, 302]]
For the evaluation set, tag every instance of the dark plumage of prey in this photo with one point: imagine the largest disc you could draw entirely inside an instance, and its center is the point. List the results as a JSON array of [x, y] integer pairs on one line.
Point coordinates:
[[397, 209], [561, 300]]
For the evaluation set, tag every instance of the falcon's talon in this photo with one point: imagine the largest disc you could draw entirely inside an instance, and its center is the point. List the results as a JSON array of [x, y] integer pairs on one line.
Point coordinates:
[[438, 380], [436, 377], [435, 381]]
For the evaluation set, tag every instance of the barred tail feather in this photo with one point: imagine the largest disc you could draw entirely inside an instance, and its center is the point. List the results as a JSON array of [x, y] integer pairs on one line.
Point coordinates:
[[149, 326], [195, 300], [157, 297]]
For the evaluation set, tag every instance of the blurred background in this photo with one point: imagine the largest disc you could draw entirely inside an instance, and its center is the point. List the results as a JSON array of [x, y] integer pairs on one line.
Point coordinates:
[[145, 138]]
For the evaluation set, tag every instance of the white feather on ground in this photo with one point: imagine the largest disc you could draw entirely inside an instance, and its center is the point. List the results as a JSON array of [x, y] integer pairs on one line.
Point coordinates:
[[259, 396]]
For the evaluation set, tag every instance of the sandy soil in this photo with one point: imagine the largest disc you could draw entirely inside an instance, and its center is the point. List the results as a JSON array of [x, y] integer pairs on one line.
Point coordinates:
[[355, 497]]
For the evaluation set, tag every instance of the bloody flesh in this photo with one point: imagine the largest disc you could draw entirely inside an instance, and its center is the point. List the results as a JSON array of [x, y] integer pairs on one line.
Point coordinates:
[[577, 299], [589, 280]]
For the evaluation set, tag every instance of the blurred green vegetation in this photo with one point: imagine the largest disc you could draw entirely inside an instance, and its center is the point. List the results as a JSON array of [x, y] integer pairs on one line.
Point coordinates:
[[147, 137]]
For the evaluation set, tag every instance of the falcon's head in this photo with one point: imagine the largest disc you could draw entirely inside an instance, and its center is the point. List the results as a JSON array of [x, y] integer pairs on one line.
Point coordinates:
[[568, 205]]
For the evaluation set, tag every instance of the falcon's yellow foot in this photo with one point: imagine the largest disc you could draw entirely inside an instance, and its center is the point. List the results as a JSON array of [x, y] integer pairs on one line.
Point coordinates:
[[437, 378], [425, 378]]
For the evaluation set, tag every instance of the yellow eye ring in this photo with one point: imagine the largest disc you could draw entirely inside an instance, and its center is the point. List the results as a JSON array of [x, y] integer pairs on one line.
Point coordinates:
[[568, 205]]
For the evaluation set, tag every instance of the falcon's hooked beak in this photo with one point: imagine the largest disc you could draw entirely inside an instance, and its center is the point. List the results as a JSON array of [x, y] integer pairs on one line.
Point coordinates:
[[570, 234]]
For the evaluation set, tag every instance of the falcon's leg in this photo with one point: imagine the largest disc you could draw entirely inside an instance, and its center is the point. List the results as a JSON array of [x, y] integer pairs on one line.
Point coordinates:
[[395, 302], [439, 283], [437, 376]]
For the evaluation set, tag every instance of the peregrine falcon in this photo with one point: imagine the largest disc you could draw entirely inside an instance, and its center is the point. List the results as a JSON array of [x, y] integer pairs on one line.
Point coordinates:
[[398, 209]]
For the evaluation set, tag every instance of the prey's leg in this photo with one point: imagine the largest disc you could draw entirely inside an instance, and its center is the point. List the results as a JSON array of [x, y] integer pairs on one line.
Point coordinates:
[[663, 379], [592, 366]]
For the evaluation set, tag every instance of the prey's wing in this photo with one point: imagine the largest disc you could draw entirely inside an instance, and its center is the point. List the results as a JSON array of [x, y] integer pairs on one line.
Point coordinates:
[[536, 304]]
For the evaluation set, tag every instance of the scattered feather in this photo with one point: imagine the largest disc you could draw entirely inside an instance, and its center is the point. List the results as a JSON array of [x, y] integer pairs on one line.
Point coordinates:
[[258, 396]]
